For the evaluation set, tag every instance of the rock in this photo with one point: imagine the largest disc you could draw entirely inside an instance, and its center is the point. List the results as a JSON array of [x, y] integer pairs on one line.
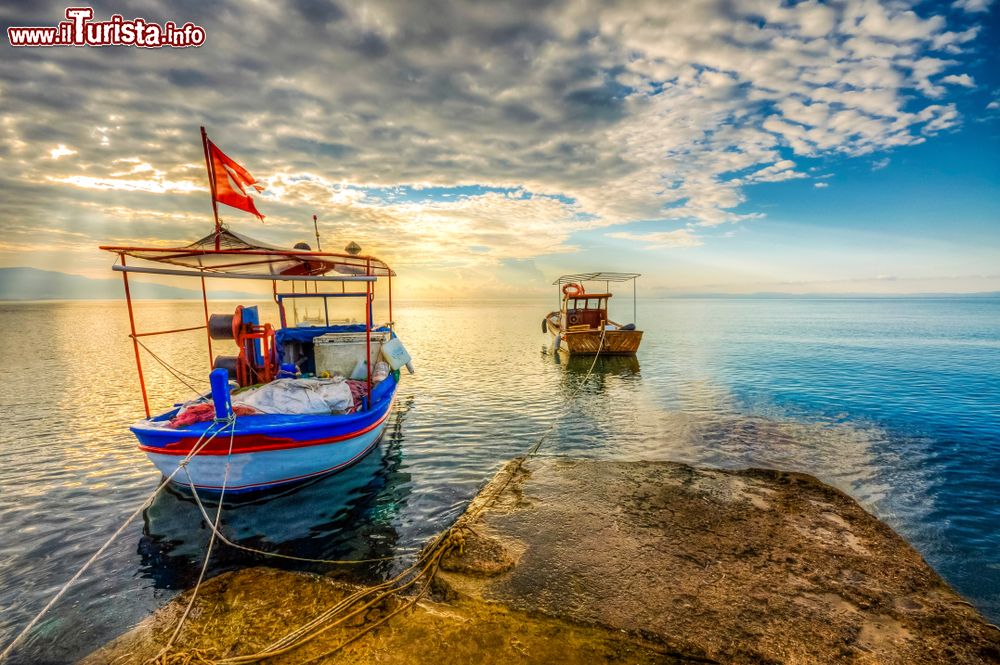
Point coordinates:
[[569, 561], [732, 566]]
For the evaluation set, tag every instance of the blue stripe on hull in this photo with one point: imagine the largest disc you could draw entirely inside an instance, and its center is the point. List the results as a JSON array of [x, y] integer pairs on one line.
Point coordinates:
[[300, 428], [270, 468]]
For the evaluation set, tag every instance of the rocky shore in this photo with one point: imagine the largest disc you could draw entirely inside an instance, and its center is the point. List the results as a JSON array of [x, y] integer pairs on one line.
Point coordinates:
[[572, 561]]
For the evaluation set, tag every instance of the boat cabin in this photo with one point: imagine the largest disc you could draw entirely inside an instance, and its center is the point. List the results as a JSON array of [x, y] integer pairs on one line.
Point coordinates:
[[586, 311], [581, 325]]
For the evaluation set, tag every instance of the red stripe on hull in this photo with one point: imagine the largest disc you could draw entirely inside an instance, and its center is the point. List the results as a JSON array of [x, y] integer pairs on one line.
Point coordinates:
[[254, 443]]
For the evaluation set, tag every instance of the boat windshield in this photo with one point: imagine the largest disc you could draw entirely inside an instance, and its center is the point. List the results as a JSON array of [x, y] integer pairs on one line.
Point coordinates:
[[304, 311], [584, 303]]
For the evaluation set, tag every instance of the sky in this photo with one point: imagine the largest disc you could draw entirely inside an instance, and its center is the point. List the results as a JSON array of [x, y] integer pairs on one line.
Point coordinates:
[[484, 148]]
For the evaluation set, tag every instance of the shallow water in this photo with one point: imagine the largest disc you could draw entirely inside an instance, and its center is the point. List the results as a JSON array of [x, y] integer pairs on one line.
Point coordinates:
[[895, 401]]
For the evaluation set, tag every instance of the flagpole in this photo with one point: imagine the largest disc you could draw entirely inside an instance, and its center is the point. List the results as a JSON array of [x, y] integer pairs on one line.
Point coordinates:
[[211, 185]]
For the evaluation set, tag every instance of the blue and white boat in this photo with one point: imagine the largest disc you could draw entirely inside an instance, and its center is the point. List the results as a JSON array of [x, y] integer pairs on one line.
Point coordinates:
[[282, 437]]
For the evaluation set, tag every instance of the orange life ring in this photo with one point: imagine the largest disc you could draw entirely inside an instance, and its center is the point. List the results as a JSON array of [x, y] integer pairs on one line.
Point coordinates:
[[577, 289]]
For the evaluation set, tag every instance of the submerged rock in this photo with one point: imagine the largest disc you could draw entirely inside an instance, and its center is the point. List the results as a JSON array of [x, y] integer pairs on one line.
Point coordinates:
[[568, 561]]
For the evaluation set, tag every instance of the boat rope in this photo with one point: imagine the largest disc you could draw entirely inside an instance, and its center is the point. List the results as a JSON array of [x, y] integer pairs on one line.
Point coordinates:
[[422, 572], [176, 373], [519, 462], [279, 555], [199, 445], [572, 396], [161, 656]]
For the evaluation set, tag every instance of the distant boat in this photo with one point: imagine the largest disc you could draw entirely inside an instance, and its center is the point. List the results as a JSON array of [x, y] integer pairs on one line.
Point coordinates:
[[581, 325]]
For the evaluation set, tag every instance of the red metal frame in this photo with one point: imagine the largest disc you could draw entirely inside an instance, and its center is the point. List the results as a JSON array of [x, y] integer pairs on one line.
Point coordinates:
[[187, 252], [368, 331], [265, 333], [135, 339], [208, 334]]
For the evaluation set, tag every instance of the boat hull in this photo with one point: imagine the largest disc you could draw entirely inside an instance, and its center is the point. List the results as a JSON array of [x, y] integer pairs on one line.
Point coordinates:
[[266, 451], [589, 342]]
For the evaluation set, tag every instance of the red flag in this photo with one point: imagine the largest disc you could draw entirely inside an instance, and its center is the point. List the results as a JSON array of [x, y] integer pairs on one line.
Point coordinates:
[[232, 182]]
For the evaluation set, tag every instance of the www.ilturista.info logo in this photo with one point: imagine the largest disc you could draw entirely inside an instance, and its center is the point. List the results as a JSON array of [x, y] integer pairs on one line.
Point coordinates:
[[79, 30]]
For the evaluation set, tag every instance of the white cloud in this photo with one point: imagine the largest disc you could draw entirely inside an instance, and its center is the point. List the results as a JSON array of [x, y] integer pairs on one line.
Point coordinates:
[[963, 80], [821, 185], [973, 6], [61, 151], [880, 164], [660, 239], [640, 111], [158, 186]]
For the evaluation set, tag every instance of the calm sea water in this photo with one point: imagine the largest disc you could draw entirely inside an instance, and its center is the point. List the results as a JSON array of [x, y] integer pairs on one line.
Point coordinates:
[[896, 402]]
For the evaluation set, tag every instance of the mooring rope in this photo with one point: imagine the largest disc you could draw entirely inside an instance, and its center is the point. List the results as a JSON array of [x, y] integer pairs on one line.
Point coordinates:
[[279, 555], [199, 445], [519, 462], [161, 656]]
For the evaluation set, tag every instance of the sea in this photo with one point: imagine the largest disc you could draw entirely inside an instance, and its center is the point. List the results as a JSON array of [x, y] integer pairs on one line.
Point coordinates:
[[895, 401]]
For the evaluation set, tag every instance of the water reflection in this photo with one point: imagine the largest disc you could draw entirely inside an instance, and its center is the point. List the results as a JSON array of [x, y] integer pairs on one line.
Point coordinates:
[[602, 365], [349, 515]]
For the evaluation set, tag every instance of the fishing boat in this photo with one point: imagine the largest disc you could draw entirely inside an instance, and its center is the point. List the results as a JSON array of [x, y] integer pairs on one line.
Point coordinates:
[[581, 325], [300, 398]]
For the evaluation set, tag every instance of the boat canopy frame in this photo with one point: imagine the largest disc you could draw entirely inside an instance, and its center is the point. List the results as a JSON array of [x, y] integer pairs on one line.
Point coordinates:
[[298, 266], [606, 277]]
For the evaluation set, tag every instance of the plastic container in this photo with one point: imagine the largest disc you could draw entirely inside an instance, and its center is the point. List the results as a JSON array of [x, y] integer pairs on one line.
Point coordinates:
[[340, 353], [396, 355]]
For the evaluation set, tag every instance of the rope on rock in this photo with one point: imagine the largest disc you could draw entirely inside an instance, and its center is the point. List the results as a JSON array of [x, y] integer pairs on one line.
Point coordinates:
[[199, 445]]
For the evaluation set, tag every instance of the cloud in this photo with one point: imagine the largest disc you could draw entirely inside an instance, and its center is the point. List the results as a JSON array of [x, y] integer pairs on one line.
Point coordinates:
[[963, 80], [880, 164], [535, 121], [61, 151], [973, 6], [821, 185], [660, 239]]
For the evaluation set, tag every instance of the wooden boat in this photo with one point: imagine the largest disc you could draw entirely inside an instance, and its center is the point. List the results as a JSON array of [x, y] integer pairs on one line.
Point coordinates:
[[313, 396], [581, 325], [267, 449]]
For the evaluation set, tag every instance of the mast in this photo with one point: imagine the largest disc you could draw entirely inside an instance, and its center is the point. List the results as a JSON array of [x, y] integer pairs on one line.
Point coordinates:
[[319, 248], [211, 186]]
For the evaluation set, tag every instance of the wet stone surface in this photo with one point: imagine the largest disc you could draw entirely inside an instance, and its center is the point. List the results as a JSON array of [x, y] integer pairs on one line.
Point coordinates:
[[591, 561]]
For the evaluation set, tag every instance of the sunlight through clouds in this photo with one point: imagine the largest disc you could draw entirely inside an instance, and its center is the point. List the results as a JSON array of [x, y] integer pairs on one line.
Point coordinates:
[[531, 127]]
